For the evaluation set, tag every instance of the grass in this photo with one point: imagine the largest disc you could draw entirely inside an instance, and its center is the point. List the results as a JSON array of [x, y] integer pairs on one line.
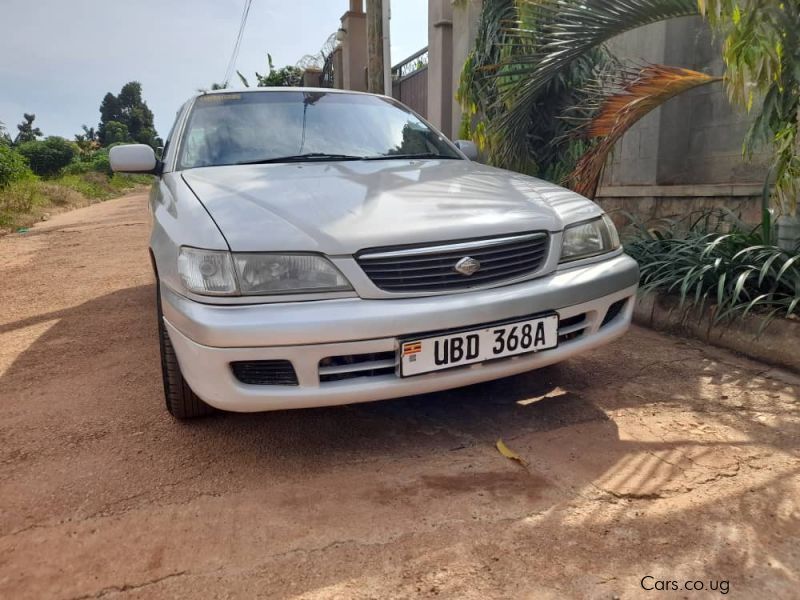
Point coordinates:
[[29, 200]]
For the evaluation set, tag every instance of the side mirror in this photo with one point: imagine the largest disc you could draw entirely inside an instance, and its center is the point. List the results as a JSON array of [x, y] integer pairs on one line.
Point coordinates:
[[132, 158], [469, 149]]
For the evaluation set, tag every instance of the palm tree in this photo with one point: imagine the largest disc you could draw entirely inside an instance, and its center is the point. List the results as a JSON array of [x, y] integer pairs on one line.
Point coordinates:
[[541, 43]]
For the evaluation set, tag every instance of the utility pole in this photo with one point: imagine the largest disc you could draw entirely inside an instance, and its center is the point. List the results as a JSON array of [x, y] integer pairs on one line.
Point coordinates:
[[375, 68]]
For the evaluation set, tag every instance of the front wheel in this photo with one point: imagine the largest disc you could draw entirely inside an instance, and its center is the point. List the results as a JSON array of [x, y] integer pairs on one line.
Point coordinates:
[[182, 402]]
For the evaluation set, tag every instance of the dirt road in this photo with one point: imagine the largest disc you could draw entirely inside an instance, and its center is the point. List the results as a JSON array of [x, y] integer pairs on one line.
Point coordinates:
[[653, 457]]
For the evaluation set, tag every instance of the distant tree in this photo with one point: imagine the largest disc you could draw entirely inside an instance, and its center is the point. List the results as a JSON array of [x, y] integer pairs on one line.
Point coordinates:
[[47, 157], [287, 76], [5, 139], [27, 132], [115, 132], [89, 134], [131, 111], [87, 141]]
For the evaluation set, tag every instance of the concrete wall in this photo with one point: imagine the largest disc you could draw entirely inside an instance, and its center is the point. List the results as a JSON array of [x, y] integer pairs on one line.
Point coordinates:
[[354, 49], [686, 155]]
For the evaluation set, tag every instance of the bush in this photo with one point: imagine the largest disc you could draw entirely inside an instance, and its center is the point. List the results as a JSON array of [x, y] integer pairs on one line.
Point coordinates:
[[101, 163], [13, 166], [48, 157], [723, 265], [97, 161]]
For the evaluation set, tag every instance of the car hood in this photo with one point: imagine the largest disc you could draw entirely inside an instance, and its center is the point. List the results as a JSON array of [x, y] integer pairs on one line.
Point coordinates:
[[339, 208]]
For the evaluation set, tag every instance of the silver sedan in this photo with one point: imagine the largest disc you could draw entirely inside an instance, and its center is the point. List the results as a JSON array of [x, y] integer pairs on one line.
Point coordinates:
[[317, 247]]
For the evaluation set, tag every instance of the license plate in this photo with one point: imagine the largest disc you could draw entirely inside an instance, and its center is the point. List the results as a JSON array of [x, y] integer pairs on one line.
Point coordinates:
[[469, 347]]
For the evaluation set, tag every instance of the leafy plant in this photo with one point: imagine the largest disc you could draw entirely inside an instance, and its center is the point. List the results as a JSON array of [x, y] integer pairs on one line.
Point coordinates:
[[48, 157], [714, 261], [550, 38], [762, 55], [13, 166], [542, 143], [5, 139], [287, 76]]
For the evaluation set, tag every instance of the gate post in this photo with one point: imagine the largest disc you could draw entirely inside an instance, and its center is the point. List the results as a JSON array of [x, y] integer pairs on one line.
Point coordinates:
[[440, 65]]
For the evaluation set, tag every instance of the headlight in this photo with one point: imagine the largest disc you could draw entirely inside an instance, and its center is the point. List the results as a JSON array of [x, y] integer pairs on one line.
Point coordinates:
[[219, 273], [207, 272], [589, 239], [287, 273]]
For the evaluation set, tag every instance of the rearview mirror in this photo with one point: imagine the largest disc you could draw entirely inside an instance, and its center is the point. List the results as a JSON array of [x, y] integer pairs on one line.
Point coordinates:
[[469, 149], [132, 158]]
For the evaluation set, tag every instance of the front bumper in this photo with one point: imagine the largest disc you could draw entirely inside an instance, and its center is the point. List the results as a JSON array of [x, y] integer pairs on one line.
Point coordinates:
[[208, 338]]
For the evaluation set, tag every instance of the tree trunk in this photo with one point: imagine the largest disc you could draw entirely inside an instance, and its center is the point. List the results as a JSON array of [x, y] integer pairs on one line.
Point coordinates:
[[375, 82]]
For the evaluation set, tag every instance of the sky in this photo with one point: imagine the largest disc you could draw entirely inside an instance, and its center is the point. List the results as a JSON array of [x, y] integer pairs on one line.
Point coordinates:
[[58, 58]]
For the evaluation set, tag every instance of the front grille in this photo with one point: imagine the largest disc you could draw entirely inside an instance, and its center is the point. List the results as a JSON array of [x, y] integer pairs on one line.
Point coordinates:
[[433, 268], [337, 368], [265, 372]]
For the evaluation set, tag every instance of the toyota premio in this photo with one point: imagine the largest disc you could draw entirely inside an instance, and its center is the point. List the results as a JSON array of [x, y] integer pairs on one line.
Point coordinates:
[[318, 247]]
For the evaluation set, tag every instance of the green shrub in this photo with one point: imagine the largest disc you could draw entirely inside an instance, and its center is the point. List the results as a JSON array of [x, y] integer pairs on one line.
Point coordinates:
[[100, 162], [717, 262], [48, 157], [13, 166], [94, 161]]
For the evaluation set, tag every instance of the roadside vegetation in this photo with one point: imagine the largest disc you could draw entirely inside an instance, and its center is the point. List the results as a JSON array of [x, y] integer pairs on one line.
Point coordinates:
[[42, 175]]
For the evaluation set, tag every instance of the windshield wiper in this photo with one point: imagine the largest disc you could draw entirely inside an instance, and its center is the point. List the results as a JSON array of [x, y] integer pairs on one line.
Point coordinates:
[[407, 156], [308, 157]]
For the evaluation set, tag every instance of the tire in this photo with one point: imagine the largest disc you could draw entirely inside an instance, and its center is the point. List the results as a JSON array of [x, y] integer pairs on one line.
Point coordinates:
[[182, 402]]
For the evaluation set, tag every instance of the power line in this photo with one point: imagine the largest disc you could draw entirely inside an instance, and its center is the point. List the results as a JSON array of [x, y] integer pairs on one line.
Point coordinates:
[[237, 45]]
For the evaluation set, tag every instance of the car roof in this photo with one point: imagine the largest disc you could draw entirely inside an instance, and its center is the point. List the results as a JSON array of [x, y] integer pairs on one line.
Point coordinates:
[[286, 89]]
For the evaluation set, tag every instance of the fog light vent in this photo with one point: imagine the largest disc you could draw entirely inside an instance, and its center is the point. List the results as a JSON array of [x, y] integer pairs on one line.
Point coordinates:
[[613, 311], [265, 372]]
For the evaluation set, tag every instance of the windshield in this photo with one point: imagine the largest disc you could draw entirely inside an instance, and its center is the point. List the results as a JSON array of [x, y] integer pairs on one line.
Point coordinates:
[[277, 126]]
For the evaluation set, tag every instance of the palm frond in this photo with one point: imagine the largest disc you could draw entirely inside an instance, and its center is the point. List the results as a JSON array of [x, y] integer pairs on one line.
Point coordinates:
[[640, 91], [550, 149], [563, 31]]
